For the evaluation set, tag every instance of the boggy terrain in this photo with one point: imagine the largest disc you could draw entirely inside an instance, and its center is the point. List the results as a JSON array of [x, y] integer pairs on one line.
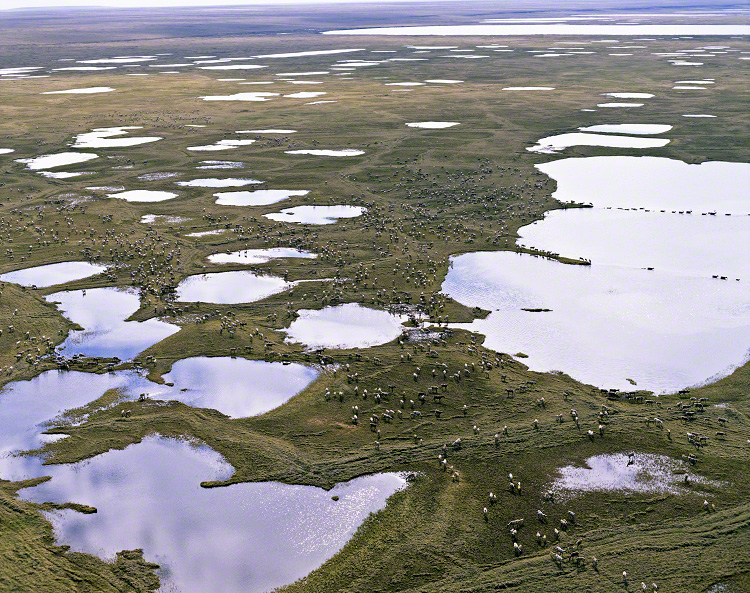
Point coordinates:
[[481, 439]]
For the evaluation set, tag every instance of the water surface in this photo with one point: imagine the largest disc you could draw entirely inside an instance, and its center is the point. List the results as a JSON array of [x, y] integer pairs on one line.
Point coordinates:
[[344, 152], [690, 245], [433, 125], [105, 138], [628, 128], [28, 408], [61, 159], [607, 325], [143, 195], [316, 214], [245, 538], [235, 386], [344, 326], [52, 274], [259, 96], [102, 313], [230, 287], [552, 144], [214, 182], [653, 183], [258, 256], [629, 95], [529, 88], [85, 91], [648, 474], [260, 197]]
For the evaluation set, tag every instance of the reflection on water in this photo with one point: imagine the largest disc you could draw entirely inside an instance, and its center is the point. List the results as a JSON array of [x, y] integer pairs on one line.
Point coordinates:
[[316, 214], [103, 138], [652, 182], [552, 144], [247, 537], [344, 326], [608, 324], [243, 538], [102, 313], [260, 197], [685, 245], [647, 473], [230, 287], [235, 386], [53, 274], [628, 128], [27, 408], [61, 159], [258, 256]]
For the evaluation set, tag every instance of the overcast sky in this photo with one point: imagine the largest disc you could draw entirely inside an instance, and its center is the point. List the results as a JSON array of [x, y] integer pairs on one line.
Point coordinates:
[[7, 4]]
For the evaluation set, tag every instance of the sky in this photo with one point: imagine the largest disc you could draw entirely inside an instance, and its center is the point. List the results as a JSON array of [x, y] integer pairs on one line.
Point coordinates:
[[9, 4]]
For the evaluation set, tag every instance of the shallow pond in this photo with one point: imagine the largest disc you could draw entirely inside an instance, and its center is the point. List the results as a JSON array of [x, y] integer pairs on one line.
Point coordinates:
[[160, 176], [53, 274], [552, 144], [258, 256], [648, 474], [628, 128], [235, 386], [652, 182], [211, 148], [86, 91], [266, 131], [629, 95], [344, 326], [143, 195], [607, 324], [299, 54], [227, 144], [261, 197], [344, 152], [162, 219], [102, 313], [221, 165], [259, 96], [433, 125], [230, 287], [213, 182], [316, 214], [242, 538], [103, 138], [62, 174], [691, 245], [25, 414], [61, 159], [305, 95], [233, 67], [529, 88], [206, 233]]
